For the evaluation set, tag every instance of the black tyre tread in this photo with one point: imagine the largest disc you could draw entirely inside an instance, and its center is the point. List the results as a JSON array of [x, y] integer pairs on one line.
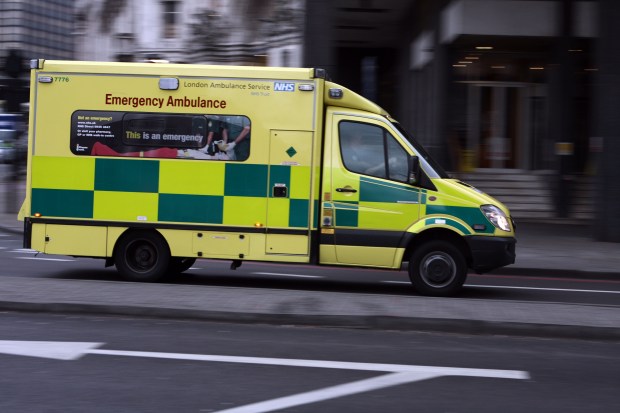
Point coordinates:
[[425, 289], [178, 265], [150, 240]]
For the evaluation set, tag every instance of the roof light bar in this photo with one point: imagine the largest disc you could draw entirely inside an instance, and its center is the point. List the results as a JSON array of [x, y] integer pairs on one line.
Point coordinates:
[[168, 83]]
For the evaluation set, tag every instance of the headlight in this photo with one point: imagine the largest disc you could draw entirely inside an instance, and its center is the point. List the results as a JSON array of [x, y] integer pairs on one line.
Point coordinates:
[[496, 216]]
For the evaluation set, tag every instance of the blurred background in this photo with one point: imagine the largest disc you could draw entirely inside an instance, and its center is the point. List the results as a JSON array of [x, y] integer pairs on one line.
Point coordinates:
[[517, 97]]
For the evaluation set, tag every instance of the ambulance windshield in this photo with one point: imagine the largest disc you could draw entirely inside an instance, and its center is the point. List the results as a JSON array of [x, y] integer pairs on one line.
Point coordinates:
[[429, 165]]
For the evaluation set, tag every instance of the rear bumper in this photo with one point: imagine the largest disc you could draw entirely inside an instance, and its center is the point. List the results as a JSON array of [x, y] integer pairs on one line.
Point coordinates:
[[489, 253]]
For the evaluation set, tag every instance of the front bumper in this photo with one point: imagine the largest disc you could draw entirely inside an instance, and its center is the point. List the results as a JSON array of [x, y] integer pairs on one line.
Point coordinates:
[[489, 253]]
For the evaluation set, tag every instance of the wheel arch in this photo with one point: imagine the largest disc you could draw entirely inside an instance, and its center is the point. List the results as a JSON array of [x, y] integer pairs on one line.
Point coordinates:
[[439, 234]]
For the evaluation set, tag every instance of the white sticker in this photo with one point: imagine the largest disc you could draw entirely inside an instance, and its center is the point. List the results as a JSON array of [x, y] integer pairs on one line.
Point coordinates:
[[440, 221], [141, 218]]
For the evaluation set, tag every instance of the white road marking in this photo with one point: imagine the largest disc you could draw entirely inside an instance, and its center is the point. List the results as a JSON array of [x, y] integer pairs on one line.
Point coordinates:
[[570, 290], [75, 350], [59, 350], [29, 251], [288, 275], [375, 383], [45, 259], [325, 364], [508, 287], [399, 373]]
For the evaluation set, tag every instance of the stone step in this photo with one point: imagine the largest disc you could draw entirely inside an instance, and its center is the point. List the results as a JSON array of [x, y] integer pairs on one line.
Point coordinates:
[[532, 215], [504, 185], [498, 177], [529, 195]]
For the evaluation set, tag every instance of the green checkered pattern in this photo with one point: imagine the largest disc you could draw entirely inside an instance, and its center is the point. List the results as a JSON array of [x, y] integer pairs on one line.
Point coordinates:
[[374, 192], [370, 209], [169, 191]]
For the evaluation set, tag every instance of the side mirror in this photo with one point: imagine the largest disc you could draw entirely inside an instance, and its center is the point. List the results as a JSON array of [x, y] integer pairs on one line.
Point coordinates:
[[414, 170]]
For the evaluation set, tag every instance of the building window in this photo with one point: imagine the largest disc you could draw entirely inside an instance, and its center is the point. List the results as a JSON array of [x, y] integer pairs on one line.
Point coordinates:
[[170, 18]]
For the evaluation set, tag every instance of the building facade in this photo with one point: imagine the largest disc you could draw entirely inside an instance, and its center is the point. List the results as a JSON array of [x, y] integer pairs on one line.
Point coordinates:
[[487, 86], [523, 86], [510, 78], [263, 32], [475, 80], [37, 28], [30, 29]]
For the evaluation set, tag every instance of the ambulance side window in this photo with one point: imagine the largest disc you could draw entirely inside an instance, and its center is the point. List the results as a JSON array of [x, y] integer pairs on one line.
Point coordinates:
[[371, 150]]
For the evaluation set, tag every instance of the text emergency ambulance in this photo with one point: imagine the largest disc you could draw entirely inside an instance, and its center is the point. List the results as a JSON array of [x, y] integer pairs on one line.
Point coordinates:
[[152, 166]]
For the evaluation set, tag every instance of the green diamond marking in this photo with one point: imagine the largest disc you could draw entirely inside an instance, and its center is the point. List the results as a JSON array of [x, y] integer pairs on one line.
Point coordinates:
[[291, 152]]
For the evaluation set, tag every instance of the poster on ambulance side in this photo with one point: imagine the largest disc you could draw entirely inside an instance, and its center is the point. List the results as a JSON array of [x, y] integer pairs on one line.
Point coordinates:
[[108, 133], [160, 135]]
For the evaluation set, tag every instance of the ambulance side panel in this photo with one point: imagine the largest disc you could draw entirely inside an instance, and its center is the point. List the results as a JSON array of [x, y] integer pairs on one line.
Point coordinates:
[[264, 207]]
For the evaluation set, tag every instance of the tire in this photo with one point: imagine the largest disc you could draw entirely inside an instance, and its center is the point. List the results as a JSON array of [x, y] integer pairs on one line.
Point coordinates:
[[437, 269], [178, 265], [142, 256]]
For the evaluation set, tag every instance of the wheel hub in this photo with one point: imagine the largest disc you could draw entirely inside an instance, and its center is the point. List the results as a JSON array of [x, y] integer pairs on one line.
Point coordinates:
[[438, 269], [142, 257]]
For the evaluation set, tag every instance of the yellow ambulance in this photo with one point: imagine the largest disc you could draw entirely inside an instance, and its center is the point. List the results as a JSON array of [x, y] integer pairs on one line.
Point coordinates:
[[152, 166]]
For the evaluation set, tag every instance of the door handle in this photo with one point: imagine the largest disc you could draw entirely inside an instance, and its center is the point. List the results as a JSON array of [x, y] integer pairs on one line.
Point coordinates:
[[346, 189]]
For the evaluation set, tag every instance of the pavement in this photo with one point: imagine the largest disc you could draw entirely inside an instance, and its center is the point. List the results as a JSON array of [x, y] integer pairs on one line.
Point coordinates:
[[544, 249]]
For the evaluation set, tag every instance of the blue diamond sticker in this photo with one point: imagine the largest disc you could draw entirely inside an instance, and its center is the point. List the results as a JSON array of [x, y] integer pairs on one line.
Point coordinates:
[[291, 152]]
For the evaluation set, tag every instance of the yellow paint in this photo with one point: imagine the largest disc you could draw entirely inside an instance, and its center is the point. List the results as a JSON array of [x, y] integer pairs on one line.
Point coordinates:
[[63, 172], [191, 177], [278, 212], [244, 211], [365, 256], [137, 206], [287, 244], [301, 175], [220, 245], [84, 241]]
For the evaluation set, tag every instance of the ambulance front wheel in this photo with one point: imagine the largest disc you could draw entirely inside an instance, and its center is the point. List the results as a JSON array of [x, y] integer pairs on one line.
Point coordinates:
[[437, 268], [142, 256]]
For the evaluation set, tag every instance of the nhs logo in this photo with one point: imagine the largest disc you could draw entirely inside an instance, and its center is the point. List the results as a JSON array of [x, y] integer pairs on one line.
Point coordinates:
[[284, 87]]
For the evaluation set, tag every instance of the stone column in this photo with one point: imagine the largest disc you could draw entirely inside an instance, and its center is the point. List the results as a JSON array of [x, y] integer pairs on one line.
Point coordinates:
[[607, 123], [319, 45]]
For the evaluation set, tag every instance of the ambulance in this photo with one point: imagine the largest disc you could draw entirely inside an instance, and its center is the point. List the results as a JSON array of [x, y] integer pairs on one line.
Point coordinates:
[[153, 166]]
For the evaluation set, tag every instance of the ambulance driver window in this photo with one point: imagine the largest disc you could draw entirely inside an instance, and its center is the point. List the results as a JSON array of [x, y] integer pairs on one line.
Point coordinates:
[[156, 135], [371, 150]]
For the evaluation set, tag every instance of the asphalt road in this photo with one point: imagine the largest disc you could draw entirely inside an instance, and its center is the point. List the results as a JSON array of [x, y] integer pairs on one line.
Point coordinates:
[[148, 365], [15, 261]]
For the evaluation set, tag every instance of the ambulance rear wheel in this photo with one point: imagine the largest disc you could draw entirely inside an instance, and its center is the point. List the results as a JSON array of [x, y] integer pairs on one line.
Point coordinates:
[[142, 256], [437, 269]]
